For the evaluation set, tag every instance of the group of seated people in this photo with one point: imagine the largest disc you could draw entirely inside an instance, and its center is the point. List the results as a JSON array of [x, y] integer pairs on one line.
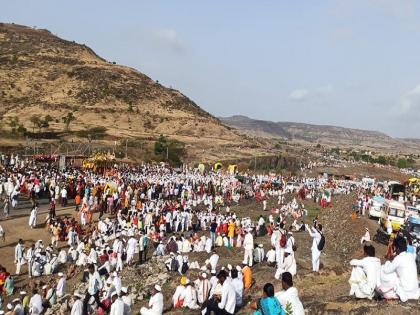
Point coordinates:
[[395, 279]]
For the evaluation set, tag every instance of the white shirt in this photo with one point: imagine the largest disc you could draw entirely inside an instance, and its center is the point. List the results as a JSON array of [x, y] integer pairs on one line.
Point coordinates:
[[372, 269], [36, 304], [248, 241], [239, 290], [316, 237], [214, 259], [95, 283], [156, 303], [271, 256], [228, 301], [77, 308], [61, 287], [291, 296], [117, 308], [405, 267]]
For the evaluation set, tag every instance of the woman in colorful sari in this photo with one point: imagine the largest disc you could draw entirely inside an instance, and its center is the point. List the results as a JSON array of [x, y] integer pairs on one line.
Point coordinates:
[[9, 285], [268, 304]]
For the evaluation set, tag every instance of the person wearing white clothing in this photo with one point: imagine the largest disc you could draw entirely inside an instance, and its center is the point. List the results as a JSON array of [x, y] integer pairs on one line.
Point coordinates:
[[289, 295], [214, 259], [190, 299], [155, 303], [288, 265], [366, 237], [35, 303], [238, 284], [61, 285], [19, 257], [117, 307], [365, 276], [249, 247], [131, 249], [77, 308], [404, 267], [32, 217], [227, 299], [271, 257], [316, 253], [203, 288]]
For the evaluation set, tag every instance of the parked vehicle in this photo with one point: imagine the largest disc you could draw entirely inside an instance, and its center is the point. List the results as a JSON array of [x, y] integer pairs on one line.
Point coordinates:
[[376, 208], [395, 212]]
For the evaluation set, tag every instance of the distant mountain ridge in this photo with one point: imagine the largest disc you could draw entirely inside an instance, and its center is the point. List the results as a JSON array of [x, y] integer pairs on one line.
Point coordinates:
[[323, 134]]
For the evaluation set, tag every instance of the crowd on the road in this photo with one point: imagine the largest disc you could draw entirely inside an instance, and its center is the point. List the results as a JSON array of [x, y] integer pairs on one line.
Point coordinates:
[[156, 210]]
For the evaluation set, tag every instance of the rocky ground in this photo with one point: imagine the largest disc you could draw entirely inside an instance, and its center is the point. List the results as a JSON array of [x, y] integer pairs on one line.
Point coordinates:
[[326, 293]]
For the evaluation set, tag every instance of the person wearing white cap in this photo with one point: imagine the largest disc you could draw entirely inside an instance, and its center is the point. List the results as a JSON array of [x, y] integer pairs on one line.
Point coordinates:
[[366, 237], [18, 308], [77, 307], [61, 285], [117, 307], [288, 264], [9, 307], [249, 247], [128, 302], [155, 303]]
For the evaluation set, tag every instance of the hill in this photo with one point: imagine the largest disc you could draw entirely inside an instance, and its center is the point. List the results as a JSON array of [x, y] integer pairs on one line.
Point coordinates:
[[64, 89], [323, 134]]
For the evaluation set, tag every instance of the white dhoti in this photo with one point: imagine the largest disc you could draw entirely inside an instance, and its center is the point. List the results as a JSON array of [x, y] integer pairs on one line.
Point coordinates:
[[359, 286]]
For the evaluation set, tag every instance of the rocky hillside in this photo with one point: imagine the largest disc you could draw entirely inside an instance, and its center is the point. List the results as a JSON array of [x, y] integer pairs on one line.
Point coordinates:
[[327, 135], [42, 75]]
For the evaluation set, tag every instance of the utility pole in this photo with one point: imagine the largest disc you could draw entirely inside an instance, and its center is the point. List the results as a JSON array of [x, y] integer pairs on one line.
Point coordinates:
[[255, 164], [167, 153]]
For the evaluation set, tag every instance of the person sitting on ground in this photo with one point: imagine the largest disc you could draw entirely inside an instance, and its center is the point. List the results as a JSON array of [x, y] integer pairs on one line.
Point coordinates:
[[259, 253], [155, 303], [239, 287], [179, 295], [405, 285], [365, 276], [288, 264], [366, 237], [271, 257], [289, 297], [224, 303], [268, 304]]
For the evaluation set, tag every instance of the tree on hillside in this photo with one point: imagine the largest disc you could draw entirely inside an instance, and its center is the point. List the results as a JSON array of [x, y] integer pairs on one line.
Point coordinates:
[[68, 119], [36, 121]]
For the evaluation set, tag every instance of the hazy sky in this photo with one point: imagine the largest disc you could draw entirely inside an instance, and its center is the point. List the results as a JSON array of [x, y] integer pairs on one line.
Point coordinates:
[[352, 63]]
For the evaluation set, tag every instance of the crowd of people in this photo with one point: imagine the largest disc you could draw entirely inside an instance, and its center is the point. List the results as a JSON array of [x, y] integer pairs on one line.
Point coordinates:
[[155, 210]]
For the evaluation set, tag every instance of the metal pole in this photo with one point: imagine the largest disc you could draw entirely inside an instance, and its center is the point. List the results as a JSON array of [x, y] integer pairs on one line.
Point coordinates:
[[167, 153]]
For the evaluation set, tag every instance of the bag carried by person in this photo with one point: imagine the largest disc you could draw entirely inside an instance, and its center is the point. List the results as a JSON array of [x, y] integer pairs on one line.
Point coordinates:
[[321, 243], [174, 264], [283, 241]]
